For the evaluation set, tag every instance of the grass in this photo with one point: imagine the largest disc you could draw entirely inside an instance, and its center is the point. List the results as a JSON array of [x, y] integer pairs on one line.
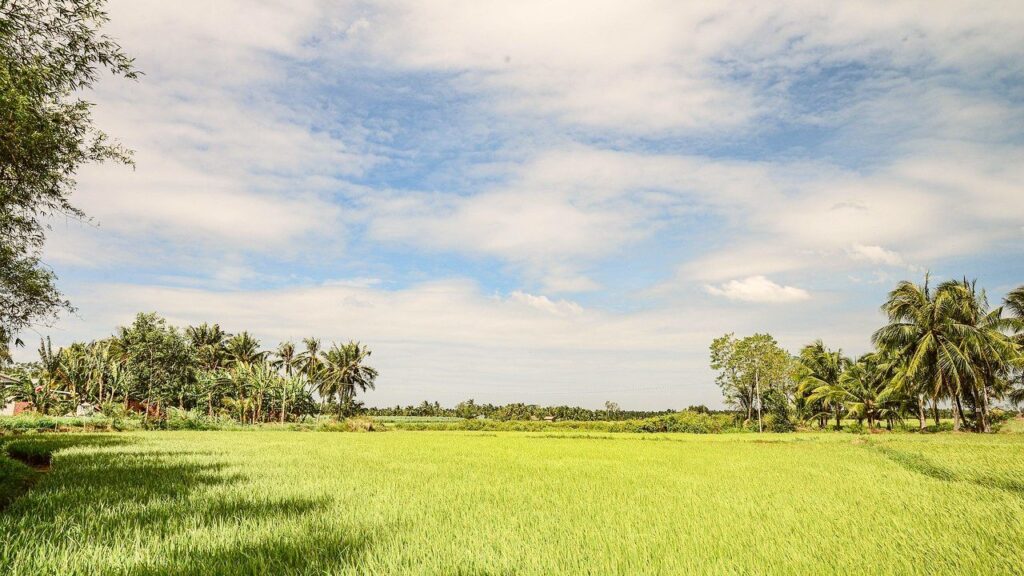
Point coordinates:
[[518, 503]]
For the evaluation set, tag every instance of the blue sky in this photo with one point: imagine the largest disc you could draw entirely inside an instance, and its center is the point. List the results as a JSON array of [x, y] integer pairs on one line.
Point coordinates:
[[548, 202]]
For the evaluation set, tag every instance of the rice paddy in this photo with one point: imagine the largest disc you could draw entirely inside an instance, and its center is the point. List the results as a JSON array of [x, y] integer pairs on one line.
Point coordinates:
[[266, 502]]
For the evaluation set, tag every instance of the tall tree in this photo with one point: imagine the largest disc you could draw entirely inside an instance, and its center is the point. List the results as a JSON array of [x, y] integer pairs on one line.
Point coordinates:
[[158, 357], [820, 380], [345, 373], [747, 368], [924, 333], [51, 54], [285, 358], [244, 349], [209, 345], [987, 344], [1014, 304], [735, 389]]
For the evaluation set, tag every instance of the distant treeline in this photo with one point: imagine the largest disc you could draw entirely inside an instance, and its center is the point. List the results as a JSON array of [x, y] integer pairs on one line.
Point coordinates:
[[519, 411]]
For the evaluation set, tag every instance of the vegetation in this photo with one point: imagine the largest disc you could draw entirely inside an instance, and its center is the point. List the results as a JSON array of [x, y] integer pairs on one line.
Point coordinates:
[[520, 411], [152, 367], [941, 345], [51, 53], [441, 503]]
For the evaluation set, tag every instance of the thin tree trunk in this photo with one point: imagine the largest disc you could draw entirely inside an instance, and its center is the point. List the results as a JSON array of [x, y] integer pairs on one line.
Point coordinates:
[[839, 425], [920, 410], [957, 413], [935, 411], [757, 385], [984, 425]]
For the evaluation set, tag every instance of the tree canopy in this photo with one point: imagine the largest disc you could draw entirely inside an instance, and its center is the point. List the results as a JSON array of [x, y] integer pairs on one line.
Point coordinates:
[[51, 53]]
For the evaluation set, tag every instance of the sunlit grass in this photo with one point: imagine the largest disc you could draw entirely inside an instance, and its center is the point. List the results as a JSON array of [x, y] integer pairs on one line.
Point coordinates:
[[513, 503]]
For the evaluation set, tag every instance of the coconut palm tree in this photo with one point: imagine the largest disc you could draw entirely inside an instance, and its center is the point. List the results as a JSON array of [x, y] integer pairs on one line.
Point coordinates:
[[243, 349], [285, 358], [869, 394], [987, 343], [818, 381], [924, 334], [1014, 304], [344, 372], [208, 342], [309, 360]]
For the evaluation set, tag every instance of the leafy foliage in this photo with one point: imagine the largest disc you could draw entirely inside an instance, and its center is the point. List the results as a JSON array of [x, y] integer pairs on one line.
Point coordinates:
[[51, 52]]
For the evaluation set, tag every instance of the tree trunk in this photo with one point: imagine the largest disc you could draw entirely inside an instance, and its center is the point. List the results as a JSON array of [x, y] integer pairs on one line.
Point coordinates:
[[920, 410], [983, 424], [958, 414], [284, 400], [839, 425], [757, 385], [935, 411]]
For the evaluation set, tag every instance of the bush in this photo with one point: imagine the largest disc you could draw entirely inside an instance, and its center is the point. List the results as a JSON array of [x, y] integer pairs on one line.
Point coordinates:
[[774, 423]]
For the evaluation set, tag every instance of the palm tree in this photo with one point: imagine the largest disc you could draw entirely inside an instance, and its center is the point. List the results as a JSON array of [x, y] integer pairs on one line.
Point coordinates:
[[344, 373], [819, 374], [285, 358], [924, 334], [243, 349], [309, 360], [208, 342], [988, 345], [1014, 304], [869, 394]]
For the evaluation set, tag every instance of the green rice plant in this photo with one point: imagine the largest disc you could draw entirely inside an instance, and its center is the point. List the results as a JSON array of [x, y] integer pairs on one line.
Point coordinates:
[[556, 501], [15, 479]]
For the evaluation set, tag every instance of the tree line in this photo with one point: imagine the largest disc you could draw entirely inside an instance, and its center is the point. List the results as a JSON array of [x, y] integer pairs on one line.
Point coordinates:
[[520, 411], [941, 346], [151, 365]]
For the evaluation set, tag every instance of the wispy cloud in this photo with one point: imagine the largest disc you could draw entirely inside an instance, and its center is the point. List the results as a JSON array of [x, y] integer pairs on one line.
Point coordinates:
[[758, 289]]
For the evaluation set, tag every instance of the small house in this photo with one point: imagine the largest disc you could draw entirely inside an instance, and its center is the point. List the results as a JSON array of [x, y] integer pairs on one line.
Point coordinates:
[[12, 408]]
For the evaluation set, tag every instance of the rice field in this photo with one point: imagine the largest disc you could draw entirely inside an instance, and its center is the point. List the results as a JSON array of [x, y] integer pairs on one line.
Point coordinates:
[[269, 502]]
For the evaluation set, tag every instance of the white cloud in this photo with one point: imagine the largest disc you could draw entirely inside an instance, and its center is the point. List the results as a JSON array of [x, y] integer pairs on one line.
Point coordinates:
[[545, 304], [876, 255], [758, 289], [657, 66], [223, 166]]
